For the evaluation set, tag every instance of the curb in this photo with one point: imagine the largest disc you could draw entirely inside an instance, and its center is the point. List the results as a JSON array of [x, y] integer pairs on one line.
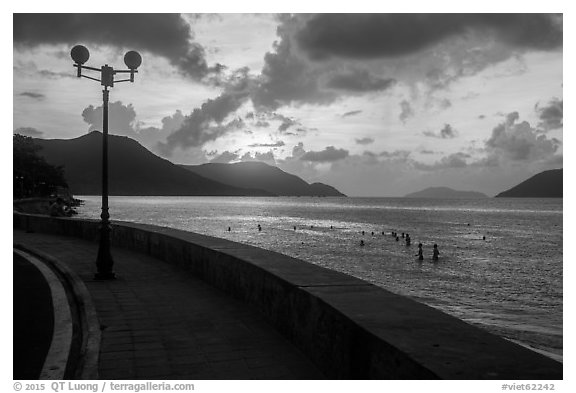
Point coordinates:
[[60, 345], [87, 367]]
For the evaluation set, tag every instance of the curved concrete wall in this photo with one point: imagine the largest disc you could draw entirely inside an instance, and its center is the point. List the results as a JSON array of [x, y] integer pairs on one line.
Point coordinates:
[[348, 327]]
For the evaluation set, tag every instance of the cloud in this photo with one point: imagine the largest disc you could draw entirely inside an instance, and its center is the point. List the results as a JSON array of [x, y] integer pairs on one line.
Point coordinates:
[[277, 144], [35, 96], [320, 58], [121, 118], [444, 103], [55, 75], [261, 124], [455, 160], [406, 111], [298, 150], [396, 154], [286, 78], [287, 122], [198, 127], [447, 132], [225, 157], [364, 141], [172, 123], [370, 36], [551, 116], [329, 154], [165, 35], [267, 157], [359, 81], [28, 131], [122, 121], [151, 136], [351, 113], [519, 141]]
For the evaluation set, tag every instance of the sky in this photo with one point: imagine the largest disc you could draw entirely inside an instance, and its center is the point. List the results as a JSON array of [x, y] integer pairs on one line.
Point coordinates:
[[373, 104]]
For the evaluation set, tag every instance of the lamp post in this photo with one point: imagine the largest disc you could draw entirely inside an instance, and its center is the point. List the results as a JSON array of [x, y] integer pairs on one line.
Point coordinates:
[[132, 59]]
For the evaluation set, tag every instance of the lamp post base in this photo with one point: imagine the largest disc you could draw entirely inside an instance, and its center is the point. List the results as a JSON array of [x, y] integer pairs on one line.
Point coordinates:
[[104, 261], [104, 276]]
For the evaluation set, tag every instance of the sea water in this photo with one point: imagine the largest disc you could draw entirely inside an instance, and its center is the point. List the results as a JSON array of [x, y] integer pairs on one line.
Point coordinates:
[[509, 284]]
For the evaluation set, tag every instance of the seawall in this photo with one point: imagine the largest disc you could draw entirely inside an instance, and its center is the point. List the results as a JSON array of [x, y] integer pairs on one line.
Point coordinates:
[[350, 328], [33, 205]]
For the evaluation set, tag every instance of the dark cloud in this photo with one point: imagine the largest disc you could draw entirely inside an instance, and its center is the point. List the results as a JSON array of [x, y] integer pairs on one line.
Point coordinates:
[[369, 36], [359, 81], [519, 141], [425, 151], [329, 154], [198, 128], [264, 118], [172, 123], [291, 76], [277, 144], [166, 35], [364, 141], [552, 115], [28, 131], [225, 157], [447, 132], [406, 111], [35, 96], [286, 123], [351, 113], [286, 78]]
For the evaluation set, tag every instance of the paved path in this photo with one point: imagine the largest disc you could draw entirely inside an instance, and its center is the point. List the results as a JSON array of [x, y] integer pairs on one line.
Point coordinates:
[[33, 319], [159, 322]]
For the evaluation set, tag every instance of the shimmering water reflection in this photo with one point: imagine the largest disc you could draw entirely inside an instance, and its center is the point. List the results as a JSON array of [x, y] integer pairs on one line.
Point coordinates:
[[510, 283]]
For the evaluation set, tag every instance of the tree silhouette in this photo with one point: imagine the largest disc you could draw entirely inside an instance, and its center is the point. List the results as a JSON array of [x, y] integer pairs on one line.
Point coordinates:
[[33, 176]]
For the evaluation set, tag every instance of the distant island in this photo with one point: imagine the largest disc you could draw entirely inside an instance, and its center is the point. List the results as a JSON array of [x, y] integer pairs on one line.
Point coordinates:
[[134, 170], [258, 175], [445, 193], [547, 184]]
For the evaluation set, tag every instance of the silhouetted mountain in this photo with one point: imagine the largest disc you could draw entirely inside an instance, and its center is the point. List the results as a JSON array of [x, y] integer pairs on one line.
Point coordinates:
[[262, 176], [547, 184], [445, 193], [132, 169]]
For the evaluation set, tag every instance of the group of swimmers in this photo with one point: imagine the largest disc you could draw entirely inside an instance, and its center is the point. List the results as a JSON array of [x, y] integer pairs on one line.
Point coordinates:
[[435, 252], [405, 236], [407, 239]]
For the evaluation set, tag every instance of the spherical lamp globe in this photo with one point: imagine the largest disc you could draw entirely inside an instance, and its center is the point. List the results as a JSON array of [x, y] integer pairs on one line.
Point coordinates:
[[80, 54], [132, 59]]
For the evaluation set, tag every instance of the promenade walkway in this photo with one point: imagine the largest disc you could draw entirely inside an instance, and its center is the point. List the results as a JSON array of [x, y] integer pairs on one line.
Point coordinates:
[[159, 322]]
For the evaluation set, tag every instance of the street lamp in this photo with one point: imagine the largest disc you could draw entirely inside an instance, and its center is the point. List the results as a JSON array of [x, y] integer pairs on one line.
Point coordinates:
[[132, 59]]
